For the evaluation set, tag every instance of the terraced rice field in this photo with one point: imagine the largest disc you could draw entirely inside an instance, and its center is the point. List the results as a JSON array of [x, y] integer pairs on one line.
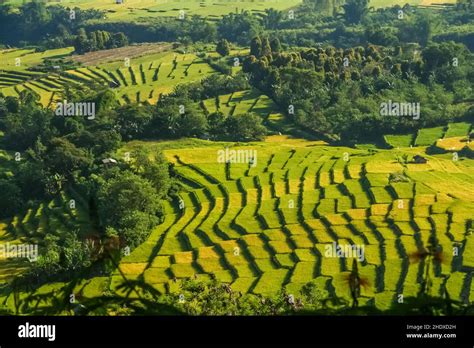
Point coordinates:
[[16, 74], [428, 136], [456, 132], [21, 59], [66, 212], [240, 102], [143, 10], [253, 101], [266, 227], [139, 79], [149, 76], [399, 140]]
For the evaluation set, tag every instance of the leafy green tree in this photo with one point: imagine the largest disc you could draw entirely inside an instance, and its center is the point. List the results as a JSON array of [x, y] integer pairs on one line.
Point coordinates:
[[418, 28], [34, 15], [256, 47], [49, 261], [132, 120], [223, 47], [25, 127], [75, 253], [153, 167], [193, 123], [119, 40], [100, 143], [447, 62], [275, 45], [9, 104], [165, 122], [216, 84], [129, 204], [31, 177], [11, 199], [299, 84], [245, 127], [239, 27], [216, 122], [93, 42], [355, 10], [266, 49], [135, 226], [201, 30], [376, 71], [64, 158], [29, 98], [124, 193], [381, 36], [178, 117], [272, 18], [249, 64], [81, 44]]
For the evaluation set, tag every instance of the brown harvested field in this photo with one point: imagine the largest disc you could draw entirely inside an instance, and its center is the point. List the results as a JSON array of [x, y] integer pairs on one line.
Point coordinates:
[[114, 54]]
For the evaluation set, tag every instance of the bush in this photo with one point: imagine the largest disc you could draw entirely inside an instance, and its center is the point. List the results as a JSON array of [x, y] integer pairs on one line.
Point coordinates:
[[10, 198], [129, 204], [245, 127]]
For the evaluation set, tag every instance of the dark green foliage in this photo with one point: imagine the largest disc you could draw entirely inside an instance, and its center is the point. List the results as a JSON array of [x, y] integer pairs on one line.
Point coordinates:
[[177, 117], [256, 47], [239, 27], [11, 199], [355, 10], [216, 124], [62, 256], [35, 22], [154, 168], [98, 40], [223, 47], [132, 120], [130, 205], [245, 127], [266, 49], [338, 93], [275, 45], [273, 18], [63, 158], [418, 28], [29, 123]]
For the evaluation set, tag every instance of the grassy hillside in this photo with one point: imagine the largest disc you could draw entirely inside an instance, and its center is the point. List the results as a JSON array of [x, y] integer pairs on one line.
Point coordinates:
[[139, 10], [452, 137], [28, 57], [264, 228], [315, 167], [143, 79]]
